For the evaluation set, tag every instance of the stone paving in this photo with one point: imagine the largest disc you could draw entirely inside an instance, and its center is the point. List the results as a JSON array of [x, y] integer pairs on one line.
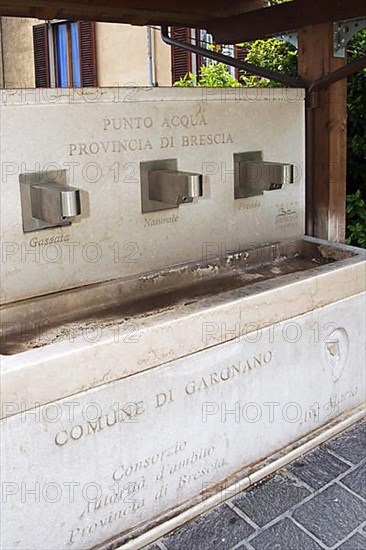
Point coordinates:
[[317, 502]]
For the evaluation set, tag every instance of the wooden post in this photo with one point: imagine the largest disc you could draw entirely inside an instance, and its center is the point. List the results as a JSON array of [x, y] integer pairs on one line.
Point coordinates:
[[326, 136]]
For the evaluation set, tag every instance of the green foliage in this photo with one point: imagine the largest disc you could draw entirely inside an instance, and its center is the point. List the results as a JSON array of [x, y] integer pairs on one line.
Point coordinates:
[[356, 145], [272, 54], [356, 220], [356, 169], [217, 75], [214, 75], [187, 80]]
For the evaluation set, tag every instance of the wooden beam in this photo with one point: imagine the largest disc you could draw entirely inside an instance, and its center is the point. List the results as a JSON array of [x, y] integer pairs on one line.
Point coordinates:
[[124, 11], [242, 6], [326, 135], [283, 17], [190, 13]]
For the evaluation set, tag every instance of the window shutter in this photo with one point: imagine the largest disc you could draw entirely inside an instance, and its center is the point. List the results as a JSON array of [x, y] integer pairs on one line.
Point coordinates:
[[240, 53], [41, 56], [181, 59], [199, 58], [88, 58]]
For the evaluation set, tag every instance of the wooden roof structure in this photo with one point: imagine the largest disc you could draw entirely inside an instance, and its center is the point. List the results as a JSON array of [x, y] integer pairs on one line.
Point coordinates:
[[235, 21], [230, 21], [144, 12]]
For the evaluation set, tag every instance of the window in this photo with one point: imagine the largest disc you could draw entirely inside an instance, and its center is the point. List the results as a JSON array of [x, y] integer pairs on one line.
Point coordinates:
[[184, 62], [64, 54]]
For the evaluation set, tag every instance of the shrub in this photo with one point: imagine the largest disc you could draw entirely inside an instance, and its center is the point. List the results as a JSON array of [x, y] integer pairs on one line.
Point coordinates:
[[356, 220], [213, 75]]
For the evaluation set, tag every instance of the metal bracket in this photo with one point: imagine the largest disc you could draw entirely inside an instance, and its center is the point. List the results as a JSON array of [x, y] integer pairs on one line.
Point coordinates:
[[290, 37], [343, 31]]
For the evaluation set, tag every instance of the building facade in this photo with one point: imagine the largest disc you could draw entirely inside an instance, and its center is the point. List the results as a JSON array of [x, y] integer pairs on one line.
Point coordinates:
[[36, 53], [64, 54]]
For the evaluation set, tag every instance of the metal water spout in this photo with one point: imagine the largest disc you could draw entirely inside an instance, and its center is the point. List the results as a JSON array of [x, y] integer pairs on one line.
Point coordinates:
[[163, 186], [174, 187], [48, 201], [253, 176]]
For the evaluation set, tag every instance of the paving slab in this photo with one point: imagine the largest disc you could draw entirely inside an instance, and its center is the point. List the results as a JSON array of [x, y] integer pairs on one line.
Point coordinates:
[[283, 535], [332, 514], [319, 501], [220, 529], [318, 468], [356, 480], [356, 542], [351, 444], [266, 501]]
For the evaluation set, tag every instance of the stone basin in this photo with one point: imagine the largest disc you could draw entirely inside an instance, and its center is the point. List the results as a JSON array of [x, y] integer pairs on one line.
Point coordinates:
[[67, 315], [159, 390], [137, 381]]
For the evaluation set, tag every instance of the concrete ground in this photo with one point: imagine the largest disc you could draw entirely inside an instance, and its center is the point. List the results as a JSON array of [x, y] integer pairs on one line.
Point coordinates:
[[318, 502]]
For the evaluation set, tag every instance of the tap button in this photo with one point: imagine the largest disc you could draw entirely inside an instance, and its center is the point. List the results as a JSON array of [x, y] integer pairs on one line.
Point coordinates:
[[70, 203], [55, 203]]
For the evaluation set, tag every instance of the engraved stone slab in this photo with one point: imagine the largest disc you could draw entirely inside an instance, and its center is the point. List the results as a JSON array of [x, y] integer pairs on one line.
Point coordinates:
[[107, 460], [100, 137], [104, 352]]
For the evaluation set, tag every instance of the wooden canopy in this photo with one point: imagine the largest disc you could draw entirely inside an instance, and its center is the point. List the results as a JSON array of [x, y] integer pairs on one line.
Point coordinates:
[[192, 13], [229, 21]]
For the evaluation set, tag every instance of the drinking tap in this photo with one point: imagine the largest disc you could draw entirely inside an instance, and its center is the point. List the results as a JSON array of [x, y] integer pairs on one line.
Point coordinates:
[[48, 201], [253, 175], [174, 187], [163, 186]]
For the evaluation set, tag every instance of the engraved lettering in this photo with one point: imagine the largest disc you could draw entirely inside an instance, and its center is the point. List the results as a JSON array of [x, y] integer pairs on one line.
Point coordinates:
[[132, 123], [166, 142], [128, 413], [125, 471], [206, 139], [113, 146], [152, 222], [56, 239], [184, 121], [228, 373], [246, 204]]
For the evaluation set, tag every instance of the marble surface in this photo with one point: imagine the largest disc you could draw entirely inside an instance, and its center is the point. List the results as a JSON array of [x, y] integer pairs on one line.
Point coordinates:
[[100, 137], [102, 434], [106, 353], [111, 458]]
